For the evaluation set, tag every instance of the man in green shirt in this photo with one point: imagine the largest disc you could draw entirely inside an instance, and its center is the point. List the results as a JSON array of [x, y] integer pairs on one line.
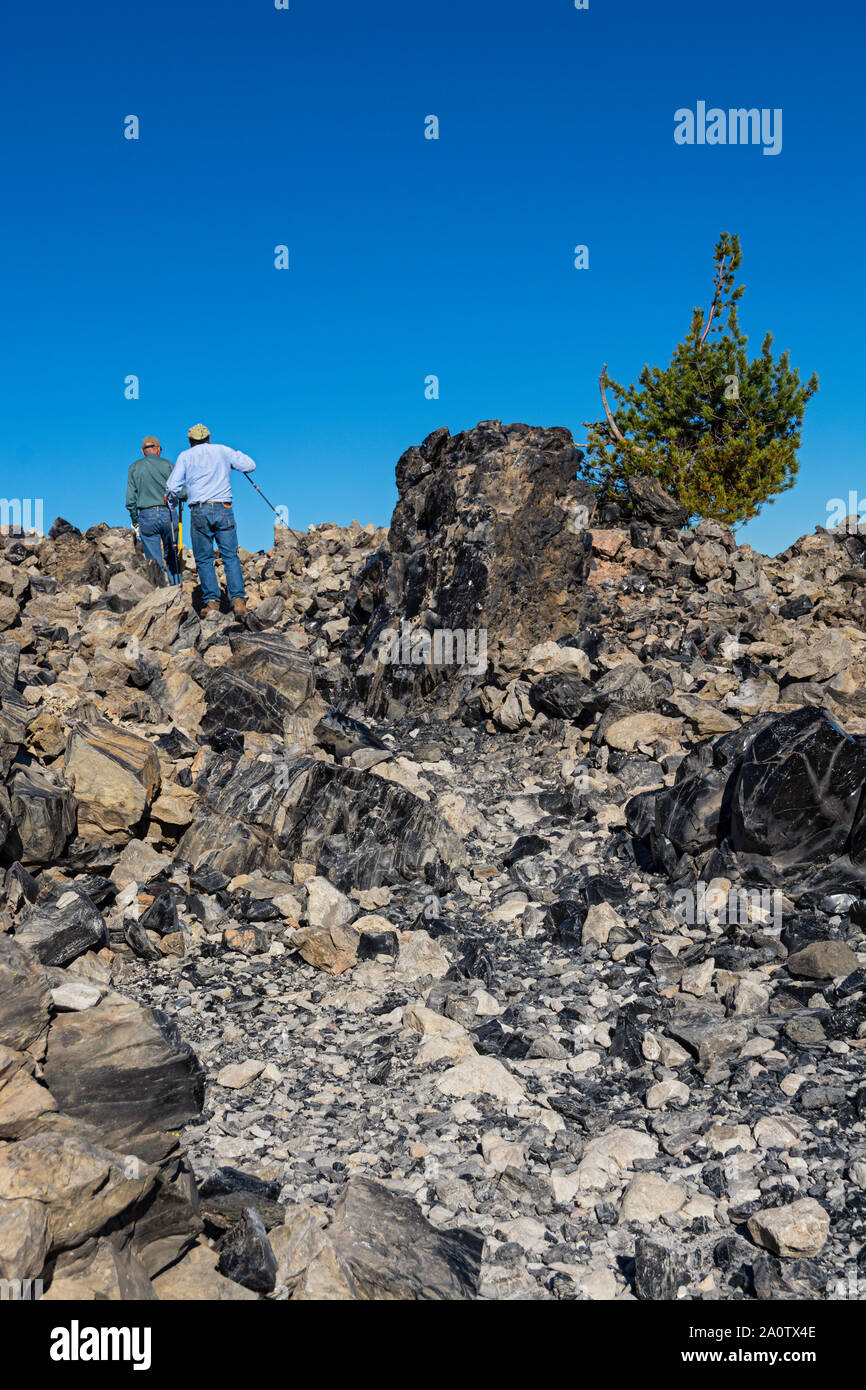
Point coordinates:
[[146, 504]]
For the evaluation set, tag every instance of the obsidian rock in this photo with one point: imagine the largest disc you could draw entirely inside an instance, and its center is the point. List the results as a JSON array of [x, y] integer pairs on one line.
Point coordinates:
[[62, 527], [524, 846], [246, 1255], [176, 744], [660, 1268], [341, 735], [207, 880], [377, 943], [138, 941], [236, 701], [798, 791], [161, 916], [780, 798], [561, 696], [651, 504], [796, 607], [227, 1192], [58, 935]]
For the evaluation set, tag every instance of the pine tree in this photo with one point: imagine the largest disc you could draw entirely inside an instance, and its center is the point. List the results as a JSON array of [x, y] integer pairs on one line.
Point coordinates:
[[720, 432]]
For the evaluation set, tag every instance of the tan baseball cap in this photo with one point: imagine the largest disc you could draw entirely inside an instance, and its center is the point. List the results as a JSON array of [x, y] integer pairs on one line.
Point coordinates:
[[151, 442], [198, 432]]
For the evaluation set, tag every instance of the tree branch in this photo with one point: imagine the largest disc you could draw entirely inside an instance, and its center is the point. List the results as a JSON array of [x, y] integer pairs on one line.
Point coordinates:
[[720, 275], [611, 423]]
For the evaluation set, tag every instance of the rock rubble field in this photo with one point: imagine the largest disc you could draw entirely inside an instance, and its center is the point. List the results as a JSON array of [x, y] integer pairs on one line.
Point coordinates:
[[540, 976]]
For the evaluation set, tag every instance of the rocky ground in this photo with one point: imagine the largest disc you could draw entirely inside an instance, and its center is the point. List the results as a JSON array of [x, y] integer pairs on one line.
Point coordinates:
[[324, 977]]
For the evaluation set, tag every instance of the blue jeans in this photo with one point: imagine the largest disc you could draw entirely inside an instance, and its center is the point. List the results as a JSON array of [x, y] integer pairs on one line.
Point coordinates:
[[157, 527], [213, 521]]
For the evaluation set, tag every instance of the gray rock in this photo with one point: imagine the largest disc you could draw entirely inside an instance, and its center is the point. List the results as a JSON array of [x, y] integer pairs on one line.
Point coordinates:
[[392, 1252], [25, 996], [125, 1070]]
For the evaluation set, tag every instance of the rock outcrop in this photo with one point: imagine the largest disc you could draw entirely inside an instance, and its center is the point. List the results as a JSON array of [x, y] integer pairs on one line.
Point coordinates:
[[517, 954]]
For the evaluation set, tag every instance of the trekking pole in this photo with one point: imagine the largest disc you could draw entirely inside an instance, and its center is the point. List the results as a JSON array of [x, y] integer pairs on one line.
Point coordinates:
[[264, 499]]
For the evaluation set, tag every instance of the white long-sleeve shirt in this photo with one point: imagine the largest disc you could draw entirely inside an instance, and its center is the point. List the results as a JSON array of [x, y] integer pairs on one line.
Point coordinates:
[[205, 472]]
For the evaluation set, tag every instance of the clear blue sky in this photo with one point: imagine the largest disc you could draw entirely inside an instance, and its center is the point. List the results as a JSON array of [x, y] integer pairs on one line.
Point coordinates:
[[408, 256]]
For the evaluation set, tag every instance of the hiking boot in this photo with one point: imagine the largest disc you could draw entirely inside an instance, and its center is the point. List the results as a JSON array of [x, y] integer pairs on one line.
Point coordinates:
[[210, 608], [239, 605]]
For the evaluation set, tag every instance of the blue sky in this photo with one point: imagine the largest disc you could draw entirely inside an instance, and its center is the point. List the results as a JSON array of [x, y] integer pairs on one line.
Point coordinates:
[[408, 257]]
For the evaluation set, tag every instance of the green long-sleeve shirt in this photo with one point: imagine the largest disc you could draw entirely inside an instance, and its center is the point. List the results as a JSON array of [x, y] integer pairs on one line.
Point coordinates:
[[145, 484]]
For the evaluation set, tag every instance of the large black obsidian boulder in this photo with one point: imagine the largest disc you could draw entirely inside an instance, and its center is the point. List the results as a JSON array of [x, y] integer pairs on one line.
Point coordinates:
[[781, 797], [798, 790], [236, 701]]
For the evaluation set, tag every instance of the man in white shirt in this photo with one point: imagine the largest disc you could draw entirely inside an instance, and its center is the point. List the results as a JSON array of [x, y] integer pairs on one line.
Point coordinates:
[[204, 469]]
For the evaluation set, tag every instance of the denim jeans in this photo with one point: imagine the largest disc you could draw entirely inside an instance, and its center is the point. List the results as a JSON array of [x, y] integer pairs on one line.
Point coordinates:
[[157, 527], [212, 521]]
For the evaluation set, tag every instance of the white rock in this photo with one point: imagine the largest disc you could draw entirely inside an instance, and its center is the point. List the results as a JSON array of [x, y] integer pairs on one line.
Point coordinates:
[[502, 1153], [623, 734], [757, 1047], [565, 1187], [238, 1074], [791, 1083], [800, 1228], [776, 1132], [719, 1138], [138, 863], [71, 997], [531, 1234], [426, 1021], [548, 658], [696, 979], [699, 1206], [373, 922], [462, 815], [599, 922], [326, 905], [488, 1007], [454, 1047], [671, 1054], [420, 955], [648, 1197], [663, 1092], [599, 1285], [584, 1061], [612, 1154], [751, 998], [481, 1076]]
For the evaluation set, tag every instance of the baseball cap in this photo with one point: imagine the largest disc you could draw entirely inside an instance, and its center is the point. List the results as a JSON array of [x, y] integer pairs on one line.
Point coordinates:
[[198, 432], [151, 442]]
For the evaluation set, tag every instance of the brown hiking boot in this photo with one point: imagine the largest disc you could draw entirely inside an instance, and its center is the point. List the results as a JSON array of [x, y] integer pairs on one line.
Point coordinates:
[[239, 605], [210, 608]]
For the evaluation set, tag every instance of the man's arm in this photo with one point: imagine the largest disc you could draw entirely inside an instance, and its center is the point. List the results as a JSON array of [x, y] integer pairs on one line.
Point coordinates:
[[132, 494], [242, 462], [174, 483]]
